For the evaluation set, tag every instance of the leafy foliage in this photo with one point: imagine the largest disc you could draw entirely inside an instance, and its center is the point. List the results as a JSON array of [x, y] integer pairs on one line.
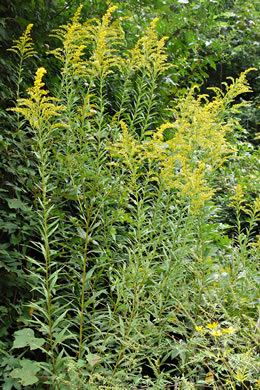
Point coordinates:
[[26, 373], [130, 278]]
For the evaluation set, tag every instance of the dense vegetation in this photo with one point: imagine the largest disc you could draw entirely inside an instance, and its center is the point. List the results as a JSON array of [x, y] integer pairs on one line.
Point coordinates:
[[129, 195]]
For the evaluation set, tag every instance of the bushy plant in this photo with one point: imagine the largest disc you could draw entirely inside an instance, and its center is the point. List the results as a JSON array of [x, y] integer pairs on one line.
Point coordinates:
[[134, 282]]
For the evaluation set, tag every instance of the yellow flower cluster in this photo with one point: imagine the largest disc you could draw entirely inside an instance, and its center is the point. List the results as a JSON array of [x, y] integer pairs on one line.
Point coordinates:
[[235, 88], [149, 54], [197, 148], [154, 51], [127, 149], [23, 46], [238, 202], [39, 109], [74, 37], [101, 38], [90, 48], [106, 36], [214, 330], [238, 197], [188, 160]]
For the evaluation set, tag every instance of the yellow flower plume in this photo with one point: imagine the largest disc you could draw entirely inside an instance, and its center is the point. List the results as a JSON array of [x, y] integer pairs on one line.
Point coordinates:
[[39, 109], [23, 46]]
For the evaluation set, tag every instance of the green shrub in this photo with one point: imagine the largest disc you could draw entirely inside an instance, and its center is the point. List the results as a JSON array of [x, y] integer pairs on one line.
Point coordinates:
[[135, 282]]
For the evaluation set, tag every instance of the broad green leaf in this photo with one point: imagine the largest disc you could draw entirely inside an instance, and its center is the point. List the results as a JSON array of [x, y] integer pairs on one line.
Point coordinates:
[[93, 359], [11, 383], [15, 203], [25, 337], [26, 374]]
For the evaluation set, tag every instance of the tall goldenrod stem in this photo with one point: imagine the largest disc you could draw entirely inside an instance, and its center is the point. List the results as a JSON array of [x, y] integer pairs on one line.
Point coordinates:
[[45, 206], [82, 304]]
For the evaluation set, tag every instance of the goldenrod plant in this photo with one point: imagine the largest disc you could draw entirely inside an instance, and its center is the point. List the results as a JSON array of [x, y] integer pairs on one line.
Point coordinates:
[[40, 110], [24, 49], [135, 282]]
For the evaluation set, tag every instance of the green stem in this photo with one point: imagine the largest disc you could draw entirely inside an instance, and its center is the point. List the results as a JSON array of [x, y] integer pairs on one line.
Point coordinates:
[[45, 205], [149, 106], [133, 311], [138, 104], [84, 272], [139, 206], [100, 122], [123, 98]]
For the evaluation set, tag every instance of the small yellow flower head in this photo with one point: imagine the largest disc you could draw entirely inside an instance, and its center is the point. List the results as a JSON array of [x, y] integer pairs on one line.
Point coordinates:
[[216, 333], [230, 330], [154, 22], [127, 149], [28, 30], [158, 135], [199, 329], [212, 326], [124, 129], [209, 377]]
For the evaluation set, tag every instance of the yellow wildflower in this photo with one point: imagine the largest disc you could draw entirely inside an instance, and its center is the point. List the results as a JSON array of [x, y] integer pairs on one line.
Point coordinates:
[[149, 54], [127, 148], [74, 37], [105, 36], [199, 329], [39, 109], [38, 83], [106, 18], [212, 326], [238, 197], [237, 87], [216, 333], [24, 46], [228, 330], [209, 377]]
